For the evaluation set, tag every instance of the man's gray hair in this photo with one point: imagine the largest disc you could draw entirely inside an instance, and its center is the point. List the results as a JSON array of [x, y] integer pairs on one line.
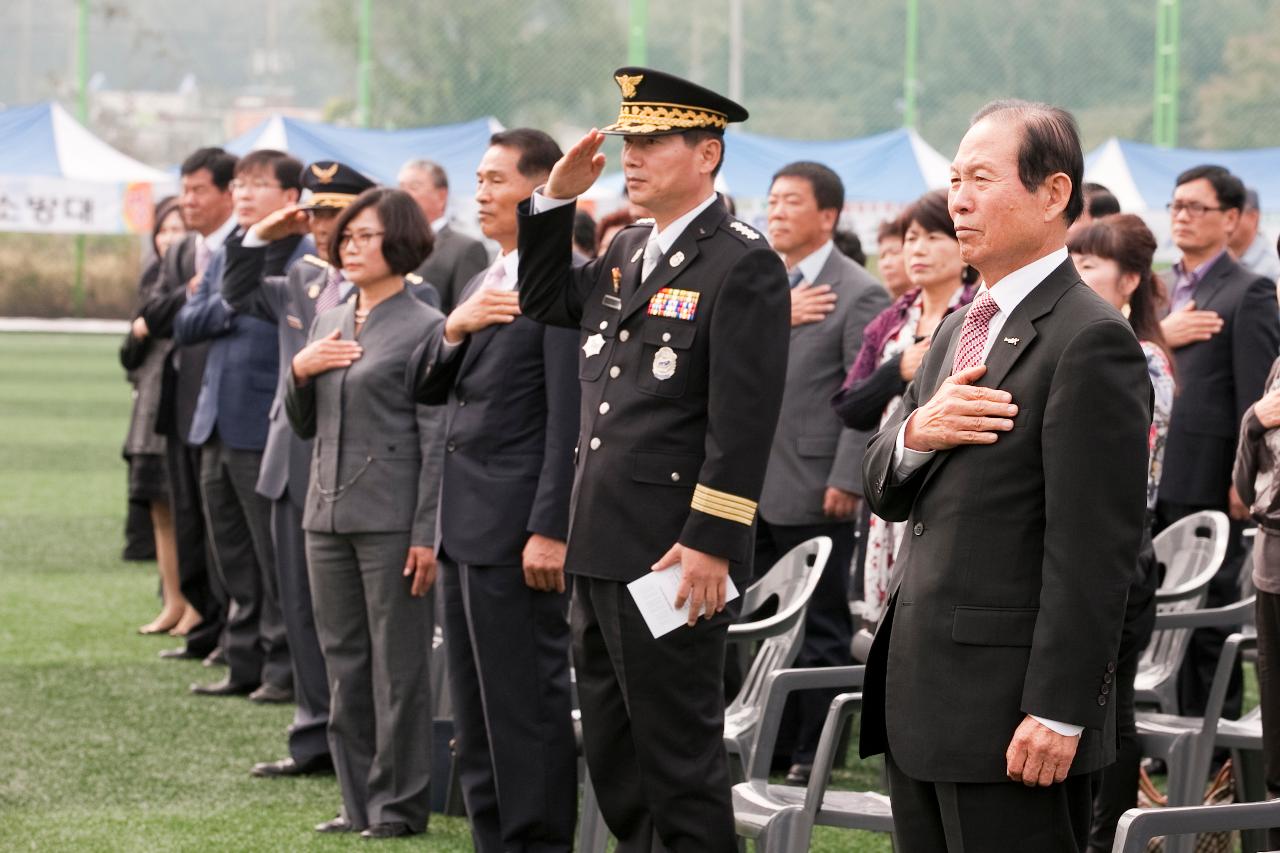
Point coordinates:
[[439, 179]]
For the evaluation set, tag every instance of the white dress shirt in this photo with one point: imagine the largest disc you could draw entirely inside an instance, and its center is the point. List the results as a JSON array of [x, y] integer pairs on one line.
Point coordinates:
[[215, 239], [811, 266], [1008, 294], [438, 225], [510, 263]]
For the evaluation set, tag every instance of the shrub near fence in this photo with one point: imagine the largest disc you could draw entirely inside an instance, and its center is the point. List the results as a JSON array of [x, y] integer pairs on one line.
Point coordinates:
[[38, 274]]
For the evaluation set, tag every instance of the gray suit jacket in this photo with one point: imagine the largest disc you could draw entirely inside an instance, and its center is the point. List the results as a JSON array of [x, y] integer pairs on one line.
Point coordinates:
[[811, 448], [454, 261], [375, 466]]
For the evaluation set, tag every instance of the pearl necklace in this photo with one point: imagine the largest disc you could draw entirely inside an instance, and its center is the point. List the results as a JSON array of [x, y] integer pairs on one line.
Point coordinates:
[[362, 315]]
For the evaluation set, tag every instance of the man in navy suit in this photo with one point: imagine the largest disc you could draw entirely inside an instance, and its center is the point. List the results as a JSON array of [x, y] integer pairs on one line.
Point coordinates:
[[511, 385], [230, 425]]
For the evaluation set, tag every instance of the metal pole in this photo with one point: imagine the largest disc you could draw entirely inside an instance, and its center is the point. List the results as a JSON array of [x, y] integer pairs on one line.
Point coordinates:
[[735, 50], [365, 67], [909, 71], [638, 33], [1173, 81], [1167, 95], [82, 113]]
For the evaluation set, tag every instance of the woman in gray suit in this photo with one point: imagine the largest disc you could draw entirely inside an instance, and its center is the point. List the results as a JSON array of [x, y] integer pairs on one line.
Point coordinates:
[[370, 515]]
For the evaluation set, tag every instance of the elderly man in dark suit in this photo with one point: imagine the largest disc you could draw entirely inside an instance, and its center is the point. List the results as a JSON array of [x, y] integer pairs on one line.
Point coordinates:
[[456, 258], [1224, 332], [813, 486], [1018, 459], [207, 206], [511, 385], [231, 424]]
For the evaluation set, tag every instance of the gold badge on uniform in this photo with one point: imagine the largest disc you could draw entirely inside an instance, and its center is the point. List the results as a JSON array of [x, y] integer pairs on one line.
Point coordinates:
[[664, 364], [313, 291], [617, 278]]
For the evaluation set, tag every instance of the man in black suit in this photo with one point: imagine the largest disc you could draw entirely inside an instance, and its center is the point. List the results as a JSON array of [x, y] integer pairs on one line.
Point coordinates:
[[1019, 460], [1224, 332], [511, 387], [683, 328], [207, 210], [456, 258]]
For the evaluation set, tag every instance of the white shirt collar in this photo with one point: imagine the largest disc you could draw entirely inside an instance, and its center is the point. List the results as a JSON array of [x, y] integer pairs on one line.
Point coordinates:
[[667, 236], [438, 225], [215, 240], [511, 264], [811, 266], [1009, 291]]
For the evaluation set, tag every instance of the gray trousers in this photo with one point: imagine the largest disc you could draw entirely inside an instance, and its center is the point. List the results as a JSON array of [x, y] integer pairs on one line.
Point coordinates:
[[239, 524], [508, 652], [376, 640], [308, 735]]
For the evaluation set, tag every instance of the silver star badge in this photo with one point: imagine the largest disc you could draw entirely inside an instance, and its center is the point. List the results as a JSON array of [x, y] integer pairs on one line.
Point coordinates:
[[677, 259], [594, 344], [1013, 341]]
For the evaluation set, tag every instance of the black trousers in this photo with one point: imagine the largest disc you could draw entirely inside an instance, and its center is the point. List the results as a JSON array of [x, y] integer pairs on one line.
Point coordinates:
[[998, 817], [653, 723], [139, 535], [828, 626], [308, 735], [199, 584], [1116, 786], [239, 523], [1205, 646], [508, 662]]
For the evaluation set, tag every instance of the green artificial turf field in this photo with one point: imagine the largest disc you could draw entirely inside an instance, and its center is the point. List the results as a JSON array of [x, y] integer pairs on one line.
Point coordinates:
[[101, 745]]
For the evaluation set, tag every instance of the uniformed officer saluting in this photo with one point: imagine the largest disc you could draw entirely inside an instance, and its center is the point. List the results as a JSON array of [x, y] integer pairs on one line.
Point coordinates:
[[684, 336]]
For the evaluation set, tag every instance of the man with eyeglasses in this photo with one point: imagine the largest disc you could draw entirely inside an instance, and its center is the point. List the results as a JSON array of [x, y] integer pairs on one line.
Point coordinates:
[[230, 425], [1224, 331]]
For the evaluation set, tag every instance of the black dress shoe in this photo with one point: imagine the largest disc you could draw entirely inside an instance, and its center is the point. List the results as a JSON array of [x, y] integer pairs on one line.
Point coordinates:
[[338, 824], [215, 658], [225, 687], [289, 767], [799, 774], [387, 830], [271, 694], [180, 653]]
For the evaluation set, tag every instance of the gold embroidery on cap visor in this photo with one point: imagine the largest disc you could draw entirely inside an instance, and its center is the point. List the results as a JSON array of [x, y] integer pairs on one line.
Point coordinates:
[[660, 118], [723, 505], [329, 200]]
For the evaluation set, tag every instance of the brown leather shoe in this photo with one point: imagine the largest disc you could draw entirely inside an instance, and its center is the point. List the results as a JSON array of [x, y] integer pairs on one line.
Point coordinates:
[[225, 687]]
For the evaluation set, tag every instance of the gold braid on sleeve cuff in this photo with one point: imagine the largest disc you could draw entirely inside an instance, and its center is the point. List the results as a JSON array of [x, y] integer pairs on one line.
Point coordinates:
[[723, 505]]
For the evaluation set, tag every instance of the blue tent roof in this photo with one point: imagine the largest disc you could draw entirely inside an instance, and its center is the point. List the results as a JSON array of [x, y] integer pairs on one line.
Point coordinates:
[[377, 153], [45, 141], [29, 147], [1142, 176]]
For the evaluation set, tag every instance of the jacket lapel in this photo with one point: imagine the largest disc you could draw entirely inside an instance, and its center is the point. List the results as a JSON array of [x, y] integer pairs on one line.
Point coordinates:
[[685, 249], [1212, 282], [480, 339]]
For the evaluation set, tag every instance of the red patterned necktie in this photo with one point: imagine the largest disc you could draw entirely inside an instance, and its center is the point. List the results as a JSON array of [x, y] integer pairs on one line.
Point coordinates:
[[973, 333], [330, 296]]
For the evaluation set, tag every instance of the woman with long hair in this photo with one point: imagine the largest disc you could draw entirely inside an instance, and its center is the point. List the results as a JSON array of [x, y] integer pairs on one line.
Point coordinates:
[[893, 346], [1113, 255]]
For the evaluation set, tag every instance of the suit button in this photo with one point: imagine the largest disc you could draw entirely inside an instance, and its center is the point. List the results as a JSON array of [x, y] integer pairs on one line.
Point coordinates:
[[1111, 666], [666, 336], [918, 529], [615, 372], [604, 408], [462, 403], [1102, 700], [451, 447], [1106, 688], [604, 324], [623, 335], [675, 476], [1106, 679], [595, 444]]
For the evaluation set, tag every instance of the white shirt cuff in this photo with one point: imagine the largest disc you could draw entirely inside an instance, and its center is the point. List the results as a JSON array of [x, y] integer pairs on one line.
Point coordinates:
[[1068, 729], [905, 460], [447, 349], [252, 240], [541, 203]]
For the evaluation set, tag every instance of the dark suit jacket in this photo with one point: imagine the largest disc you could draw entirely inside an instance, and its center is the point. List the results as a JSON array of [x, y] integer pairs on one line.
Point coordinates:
[[1218, 380], [677, 414], [1018, 555], [243, 367], [812, 449], [184, 368], [511, 426], [455, 259]]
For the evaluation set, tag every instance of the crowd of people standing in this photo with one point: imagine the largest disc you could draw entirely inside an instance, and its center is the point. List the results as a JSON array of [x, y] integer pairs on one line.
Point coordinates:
[[343, 403]]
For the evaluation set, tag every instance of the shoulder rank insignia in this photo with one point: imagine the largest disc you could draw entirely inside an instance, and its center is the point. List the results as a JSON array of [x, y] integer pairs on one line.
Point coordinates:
[[644, 220], [413, 278], [675, 304], [745, 230], [317, 261]]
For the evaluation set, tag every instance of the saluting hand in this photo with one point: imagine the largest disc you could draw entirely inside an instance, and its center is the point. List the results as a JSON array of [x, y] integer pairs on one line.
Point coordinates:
[[575, 172], [543, 560], [323, 355], [282, 223], [421, 566], [484, 308], [961, 413], [703, 584], [1037, 755]]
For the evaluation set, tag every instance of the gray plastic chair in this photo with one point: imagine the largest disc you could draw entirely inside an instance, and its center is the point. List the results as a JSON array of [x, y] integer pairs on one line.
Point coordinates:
[[1138, 826], [780, 818], [791, 581], [1192, 550]]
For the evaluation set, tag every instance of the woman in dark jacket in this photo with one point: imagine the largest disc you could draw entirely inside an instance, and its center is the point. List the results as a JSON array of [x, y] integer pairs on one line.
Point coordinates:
[[370, 515], [143, 447], [893, 345]]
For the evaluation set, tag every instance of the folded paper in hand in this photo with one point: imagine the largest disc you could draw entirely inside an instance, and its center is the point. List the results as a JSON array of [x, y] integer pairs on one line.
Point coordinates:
[[655, 595]]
